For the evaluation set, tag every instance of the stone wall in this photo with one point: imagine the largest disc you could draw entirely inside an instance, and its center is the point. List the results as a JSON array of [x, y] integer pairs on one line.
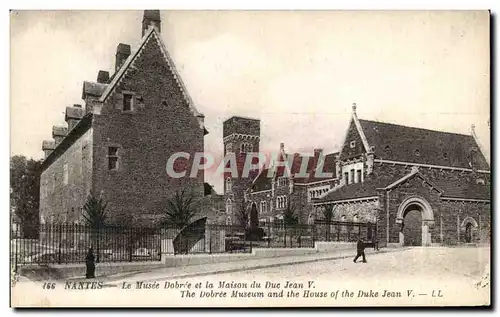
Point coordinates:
[[160, 124], [62, 201]]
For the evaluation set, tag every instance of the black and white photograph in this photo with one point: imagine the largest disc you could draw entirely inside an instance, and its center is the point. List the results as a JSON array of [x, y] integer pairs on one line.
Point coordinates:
[[250, 158]]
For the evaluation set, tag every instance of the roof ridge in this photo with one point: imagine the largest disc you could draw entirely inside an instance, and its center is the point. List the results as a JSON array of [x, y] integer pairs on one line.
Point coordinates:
[[411, 127]]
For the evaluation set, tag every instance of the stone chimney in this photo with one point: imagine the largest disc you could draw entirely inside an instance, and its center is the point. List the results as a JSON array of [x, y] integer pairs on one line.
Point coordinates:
[[103, 77], [151, 18], [122, 53], [58, 134], [282, 147], [73, 115], [48, 146]]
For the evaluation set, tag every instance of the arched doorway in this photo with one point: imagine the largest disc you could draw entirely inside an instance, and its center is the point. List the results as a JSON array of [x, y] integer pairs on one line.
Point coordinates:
[[254, 216], [469, 229], [415, 215], [468, 232], [412, 226]]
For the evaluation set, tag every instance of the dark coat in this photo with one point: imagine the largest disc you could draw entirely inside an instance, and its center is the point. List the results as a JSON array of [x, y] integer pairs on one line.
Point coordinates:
[[90, 256], [360, 246]]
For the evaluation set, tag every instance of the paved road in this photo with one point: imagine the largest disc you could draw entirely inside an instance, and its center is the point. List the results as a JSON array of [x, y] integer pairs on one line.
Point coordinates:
[[418, 276]]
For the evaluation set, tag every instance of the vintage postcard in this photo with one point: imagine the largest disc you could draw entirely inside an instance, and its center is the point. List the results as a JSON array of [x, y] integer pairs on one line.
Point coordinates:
[[250, 158]]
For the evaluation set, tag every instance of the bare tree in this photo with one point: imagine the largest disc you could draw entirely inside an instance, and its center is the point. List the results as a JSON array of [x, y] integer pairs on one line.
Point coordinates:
[[243, 214]]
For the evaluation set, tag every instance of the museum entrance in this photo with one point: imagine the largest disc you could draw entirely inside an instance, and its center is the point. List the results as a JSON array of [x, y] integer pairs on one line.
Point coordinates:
[[412, 226], [415, 215]]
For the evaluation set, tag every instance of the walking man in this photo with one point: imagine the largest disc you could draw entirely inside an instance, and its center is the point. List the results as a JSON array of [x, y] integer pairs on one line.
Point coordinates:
[[360, 250]]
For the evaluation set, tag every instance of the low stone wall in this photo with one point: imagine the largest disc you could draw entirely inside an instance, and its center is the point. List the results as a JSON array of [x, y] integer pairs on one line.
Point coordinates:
[[333, 246], [65, 271]]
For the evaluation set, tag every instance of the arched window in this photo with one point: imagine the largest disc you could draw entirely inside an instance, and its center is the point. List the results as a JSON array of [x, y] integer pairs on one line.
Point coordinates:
[[310, 220], [355, 218], [263, 207], [229, 207], [228, 184]]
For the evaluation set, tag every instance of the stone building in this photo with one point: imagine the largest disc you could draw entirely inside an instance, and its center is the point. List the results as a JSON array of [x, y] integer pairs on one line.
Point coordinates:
[[117, 144], [265, 192], [421, 187], [418, 186], [241, 136], [276, 188]]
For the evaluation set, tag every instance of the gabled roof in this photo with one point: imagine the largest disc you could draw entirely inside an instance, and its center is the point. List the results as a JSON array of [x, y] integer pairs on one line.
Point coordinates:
[[415, 145], [152, 33], [463, 188], [263, 182]]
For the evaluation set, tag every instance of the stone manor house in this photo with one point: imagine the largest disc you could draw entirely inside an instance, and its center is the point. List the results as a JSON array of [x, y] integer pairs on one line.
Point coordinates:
[[117, 144], [420, 187]]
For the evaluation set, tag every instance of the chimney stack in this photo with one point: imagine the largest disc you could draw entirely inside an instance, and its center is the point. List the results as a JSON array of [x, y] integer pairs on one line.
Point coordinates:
[[282, 147], [151, 18], [103, 77], [73, 115], [317, 152], [48, 146], [122, 53], [58, 134]]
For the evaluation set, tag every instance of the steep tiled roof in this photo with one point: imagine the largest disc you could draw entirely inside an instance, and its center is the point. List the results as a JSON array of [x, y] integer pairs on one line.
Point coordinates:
[[465, 190], [407, 144], [263, 182]]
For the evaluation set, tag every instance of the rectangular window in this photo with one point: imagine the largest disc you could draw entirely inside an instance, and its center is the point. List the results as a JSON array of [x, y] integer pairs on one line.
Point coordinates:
[[358, 176], [127, 102], [346, 176], [112, 158], [351, 176]]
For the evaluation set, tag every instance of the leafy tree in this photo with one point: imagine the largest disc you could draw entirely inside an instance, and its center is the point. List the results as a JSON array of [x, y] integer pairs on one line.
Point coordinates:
[[25, 193], [180, 210]]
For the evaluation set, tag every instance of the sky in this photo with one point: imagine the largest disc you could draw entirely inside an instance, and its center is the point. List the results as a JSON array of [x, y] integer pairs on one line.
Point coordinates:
[[297, 71]]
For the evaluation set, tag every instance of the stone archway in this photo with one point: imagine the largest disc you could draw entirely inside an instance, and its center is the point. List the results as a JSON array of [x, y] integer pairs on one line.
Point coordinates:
[[415, 215]]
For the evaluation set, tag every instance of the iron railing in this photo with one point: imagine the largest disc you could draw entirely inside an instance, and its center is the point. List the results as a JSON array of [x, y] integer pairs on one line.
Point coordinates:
[[69, 243]]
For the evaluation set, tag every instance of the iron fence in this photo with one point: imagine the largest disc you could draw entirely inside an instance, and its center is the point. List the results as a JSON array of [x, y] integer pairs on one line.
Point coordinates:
[[342, 231], [69, 243]]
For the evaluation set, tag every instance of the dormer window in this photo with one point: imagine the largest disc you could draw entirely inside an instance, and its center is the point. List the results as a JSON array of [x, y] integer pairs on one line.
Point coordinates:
[[480, 181], [417, 152], [352, 144], [387, 149], [445, 155]]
